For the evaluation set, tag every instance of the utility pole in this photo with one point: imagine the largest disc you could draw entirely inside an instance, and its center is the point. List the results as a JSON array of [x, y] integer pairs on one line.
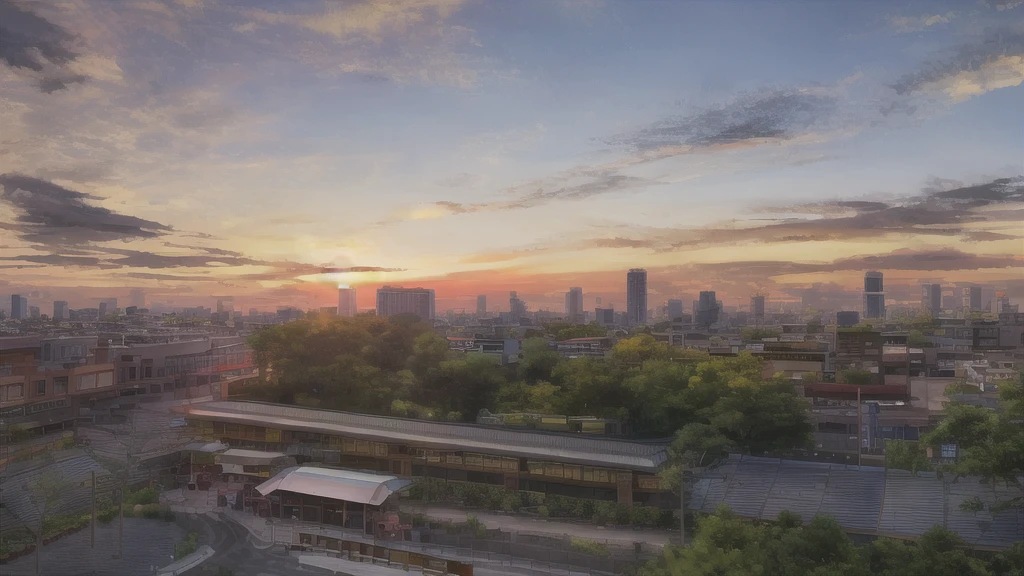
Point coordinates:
[[859, 427], [92, 523]]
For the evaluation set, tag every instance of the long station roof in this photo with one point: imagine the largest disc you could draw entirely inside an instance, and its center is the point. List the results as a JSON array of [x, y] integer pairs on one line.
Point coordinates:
[[568, 448]]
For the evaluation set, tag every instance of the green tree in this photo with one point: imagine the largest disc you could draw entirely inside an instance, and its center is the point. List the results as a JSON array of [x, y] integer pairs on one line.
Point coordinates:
[[990, 443], [906, 455], [753, 333], [538, 360]]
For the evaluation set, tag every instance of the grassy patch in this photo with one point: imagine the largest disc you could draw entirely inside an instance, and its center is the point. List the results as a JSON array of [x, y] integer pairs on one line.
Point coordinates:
[[186, 546], [588, 546]]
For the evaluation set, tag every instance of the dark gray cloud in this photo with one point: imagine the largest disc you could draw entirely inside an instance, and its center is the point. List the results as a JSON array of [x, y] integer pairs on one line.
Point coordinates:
[[936, 213], [56, 260], [206, 249], [57, 217], [766, 114], [1002, 4], [968, 58], [943, 260], [30, 42]]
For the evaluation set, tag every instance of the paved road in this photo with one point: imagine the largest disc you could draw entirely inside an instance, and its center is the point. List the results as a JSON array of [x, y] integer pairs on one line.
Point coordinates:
[[235, 553], [651, 539]]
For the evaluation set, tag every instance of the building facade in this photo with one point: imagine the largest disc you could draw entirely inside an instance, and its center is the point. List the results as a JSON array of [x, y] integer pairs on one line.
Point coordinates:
[[346, 301], [394, 300], [60, 310], [574, 305], [874, 296], [636, 296]]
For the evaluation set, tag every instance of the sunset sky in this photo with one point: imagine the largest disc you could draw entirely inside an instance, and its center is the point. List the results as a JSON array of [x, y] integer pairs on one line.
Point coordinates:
[[270, 150]]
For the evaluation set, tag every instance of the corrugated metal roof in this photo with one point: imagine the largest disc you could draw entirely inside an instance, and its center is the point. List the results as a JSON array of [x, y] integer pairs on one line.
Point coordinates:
[[559, 447], [862, 499], [250, 457], [347, 485]]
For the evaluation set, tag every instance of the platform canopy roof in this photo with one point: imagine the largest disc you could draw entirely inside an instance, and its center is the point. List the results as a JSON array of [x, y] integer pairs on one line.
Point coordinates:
[[348, 485]]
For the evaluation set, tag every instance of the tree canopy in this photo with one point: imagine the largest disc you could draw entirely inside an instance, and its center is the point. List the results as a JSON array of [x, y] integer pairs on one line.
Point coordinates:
[[400, 367], [990, 443], [726, 545]]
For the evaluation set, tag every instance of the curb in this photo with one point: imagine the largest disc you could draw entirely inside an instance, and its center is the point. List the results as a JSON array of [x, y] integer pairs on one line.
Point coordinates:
[[188, 562]]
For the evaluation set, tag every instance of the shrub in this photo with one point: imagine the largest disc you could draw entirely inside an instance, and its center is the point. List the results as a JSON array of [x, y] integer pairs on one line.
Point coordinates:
[[543, 511], [143, 497], [107, 514], [186, 546], [15, 541], [588, 546]]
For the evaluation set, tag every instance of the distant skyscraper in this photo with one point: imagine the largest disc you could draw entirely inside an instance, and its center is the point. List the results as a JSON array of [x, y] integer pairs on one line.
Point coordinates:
[[874, 295], [516, 308], [33, 311], [19, 307], [674, 309], [107, 306], [225, 304], [975, 298], [757, 309], [604, 316], [707, 308], [347, 302], [394, 300], [598, 301], [60, 310], [931, 298], [481, 305], [636, 296], [137, 298], [574, 305]]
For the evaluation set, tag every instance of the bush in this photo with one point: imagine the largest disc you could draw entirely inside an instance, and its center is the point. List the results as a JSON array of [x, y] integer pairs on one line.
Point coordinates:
[[143, 497], [14, 541], [53, 525], [588, 546], [474, 525], [186, 546], [106, 515], [543, 511]]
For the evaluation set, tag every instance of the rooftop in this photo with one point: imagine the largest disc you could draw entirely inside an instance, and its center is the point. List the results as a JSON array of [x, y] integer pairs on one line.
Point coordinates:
[[865, 499], [348, 485], [573, 448]]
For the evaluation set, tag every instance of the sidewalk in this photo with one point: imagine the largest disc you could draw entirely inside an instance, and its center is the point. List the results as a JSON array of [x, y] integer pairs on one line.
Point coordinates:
[[541, 527]]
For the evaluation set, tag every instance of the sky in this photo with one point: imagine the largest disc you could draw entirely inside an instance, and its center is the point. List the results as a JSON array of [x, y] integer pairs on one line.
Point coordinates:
[[272, 150]]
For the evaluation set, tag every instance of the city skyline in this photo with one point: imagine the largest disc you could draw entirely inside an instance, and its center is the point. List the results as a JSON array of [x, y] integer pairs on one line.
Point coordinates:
[[871, 137]]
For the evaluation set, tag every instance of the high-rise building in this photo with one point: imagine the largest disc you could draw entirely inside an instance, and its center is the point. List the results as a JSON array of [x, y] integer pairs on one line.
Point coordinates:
[[636, 296], [33, 311], [137, 298], [107, 306], [757, 308], [931, 298], [707, 308], [604, 316], [674, 309], [516, 308], [974, 296], [60, 310], [394, 300], [874, 295], [574, 305], [481, 305], [19, 307], [253, 312], [347, 301]]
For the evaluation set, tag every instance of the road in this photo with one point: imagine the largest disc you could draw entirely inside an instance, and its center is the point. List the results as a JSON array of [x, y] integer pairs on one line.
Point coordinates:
[[235, 553]]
